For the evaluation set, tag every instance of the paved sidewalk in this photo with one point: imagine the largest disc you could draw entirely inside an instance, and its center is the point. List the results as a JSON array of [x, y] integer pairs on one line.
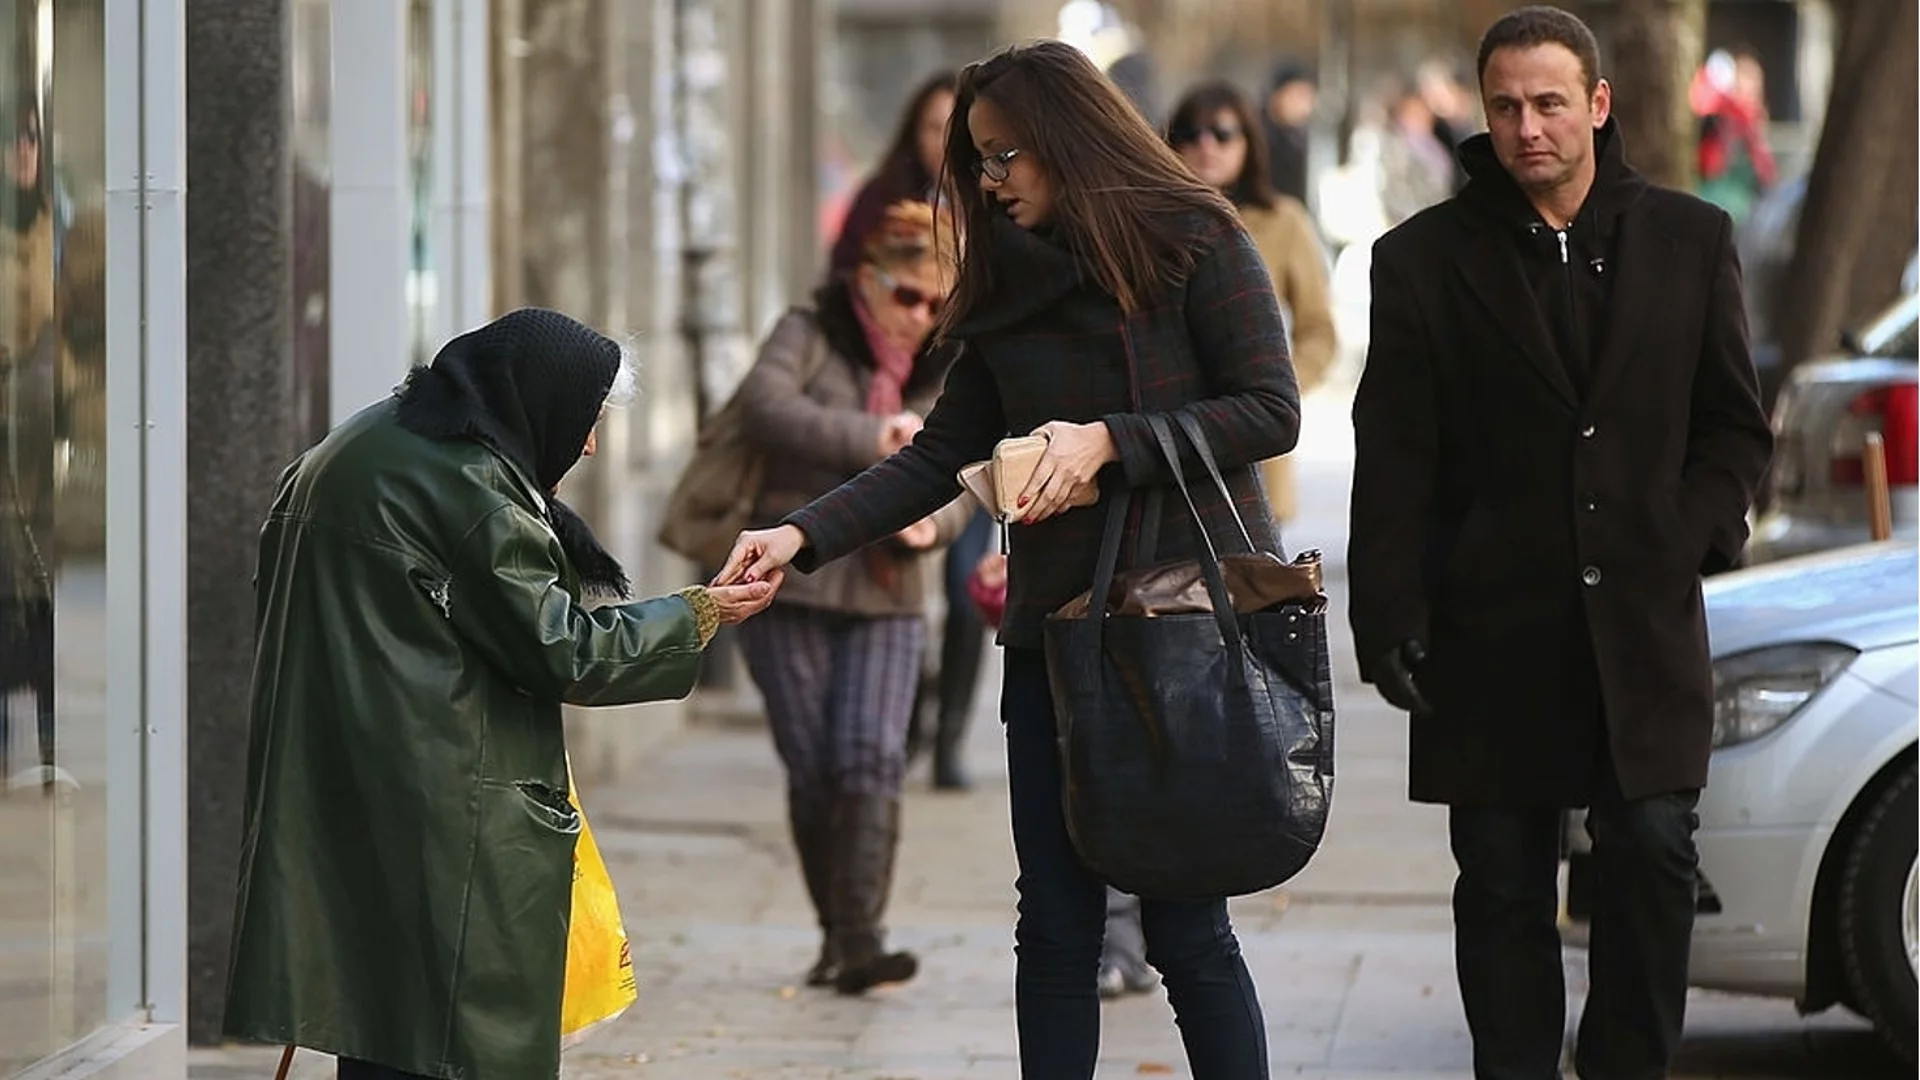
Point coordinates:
[[1353, 958]]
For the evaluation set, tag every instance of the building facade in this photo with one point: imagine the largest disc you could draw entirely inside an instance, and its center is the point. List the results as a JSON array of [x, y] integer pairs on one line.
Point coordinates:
[[224, 227]]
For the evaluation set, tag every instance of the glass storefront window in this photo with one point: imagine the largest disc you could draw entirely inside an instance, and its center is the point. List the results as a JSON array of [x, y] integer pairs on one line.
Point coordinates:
[[422, 283], [312, 218], [53, 668]]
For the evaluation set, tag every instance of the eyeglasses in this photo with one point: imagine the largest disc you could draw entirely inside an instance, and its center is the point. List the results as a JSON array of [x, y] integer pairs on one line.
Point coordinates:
[[1224, 134], [995, 167], [908, 296]]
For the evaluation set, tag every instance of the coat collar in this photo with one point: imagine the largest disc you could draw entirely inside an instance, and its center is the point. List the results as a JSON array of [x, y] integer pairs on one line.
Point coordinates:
[[1031, 273], [1493, 268]]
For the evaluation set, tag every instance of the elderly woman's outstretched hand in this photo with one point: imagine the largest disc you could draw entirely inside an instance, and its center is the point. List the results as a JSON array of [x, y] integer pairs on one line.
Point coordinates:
[[739, 603]]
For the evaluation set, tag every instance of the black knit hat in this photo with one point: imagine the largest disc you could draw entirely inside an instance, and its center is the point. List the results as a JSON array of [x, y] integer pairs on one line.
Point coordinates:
[[530, 384]]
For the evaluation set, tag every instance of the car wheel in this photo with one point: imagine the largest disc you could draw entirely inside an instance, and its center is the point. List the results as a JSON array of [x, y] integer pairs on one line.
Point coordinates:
[[1879, 906]]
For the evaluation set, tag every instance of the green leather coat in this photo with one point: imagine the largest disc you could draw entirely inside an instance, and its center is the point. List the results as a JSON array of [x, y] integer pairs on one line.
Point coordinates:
[[406, 874]]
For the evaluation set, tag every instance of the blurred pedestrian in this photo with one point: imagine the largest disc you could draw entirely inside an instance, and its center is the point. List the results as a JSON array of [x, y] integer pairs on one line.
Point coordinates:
[[1558, 431], [1100, 282], [1137, 77], [1451, 104], [1288, 119], [1213, 130], [406, 868], [910, 170], [944, 703], [30, 373], [1736, 164], [837, 659], [1416, 167]]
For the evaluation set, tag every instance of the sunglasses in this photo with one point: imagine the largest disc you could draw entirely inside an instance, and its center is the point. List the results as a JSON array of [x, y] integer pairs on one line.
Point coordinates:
[[996, 167], [908, 296], [1224, 134]]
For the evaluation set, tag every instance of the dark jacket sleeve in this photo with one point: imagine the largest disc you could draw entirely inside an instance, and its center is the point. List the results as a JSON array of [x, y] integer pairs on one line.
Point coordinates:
[[506, 598], [1729, 440], [1395, 461], [782, 419], [962, 428], [1240, 343]]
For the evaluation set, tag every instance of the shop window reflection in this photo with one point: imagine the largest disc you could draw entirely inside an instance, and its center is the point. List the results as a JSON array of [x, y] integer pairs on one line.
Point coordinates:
[[312, 215], [53, 730], [422, 282]]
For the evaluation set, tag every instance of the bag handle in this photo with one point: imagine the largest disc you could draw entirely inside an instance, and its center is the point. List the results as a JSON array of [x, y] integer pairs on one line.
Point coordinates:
[[1190, 424], [1210, 559], [1209, 563]]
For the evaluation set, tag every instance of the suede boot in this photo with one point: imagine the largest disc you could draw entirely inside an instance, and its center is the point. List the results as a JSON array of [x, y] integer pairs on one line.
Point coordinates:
[[866, 835], [811, 818]]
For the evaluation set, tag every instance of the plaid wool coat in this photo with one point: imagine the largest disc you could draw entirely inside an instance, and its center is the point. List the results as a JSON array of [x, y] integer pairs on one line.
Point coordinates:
[[1052, 345]]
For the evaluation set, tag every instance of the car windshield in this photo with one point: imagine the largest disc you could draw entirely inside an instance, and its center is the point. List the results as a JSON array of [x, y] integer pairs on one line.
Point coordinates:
[[1896, 333]]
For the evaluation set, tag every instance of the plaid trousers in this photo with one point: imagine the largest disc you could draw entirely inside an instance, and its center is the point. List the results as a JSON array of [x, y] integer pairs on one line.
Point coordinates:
[[840, 692]]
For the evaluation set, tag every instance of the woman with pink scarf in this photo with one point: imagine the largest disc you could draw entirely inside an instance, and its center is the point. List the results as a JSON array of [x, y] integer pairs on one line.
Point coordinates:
[[837, 387]]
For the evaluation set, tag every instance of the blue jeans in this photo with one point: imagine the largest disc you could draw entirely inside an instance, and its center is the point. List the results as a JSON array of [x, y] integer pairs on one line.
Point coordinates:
[[1063, 913]]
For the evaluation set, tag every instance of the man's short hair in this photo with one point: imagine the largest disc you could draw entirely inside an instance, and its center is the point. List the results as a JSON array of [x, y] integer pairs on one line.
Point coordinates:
[[1543, 24]]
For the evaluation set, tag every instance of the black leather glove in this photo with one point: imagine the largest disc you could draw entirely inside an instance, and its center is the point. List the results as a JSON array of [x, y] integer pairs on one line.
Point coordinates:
[[1396, 676]]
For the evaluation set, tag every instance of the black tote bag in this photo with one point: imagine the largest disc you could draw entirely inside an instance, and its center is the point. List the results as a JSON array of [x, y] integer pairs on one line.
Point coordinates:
[[1195, 724]]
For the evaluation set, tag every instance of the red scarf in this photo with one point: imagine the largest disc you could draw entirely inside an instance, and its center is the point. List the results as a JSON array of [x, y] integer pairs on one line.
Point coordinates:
[[892, 362]]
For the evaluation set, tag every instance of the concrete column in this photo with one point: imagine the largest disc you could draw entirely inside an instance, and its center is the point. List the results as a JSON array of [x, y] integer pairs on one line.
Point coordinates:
[[460, 230], [506, 85], [470, 291], [240, 428], [372, 216]]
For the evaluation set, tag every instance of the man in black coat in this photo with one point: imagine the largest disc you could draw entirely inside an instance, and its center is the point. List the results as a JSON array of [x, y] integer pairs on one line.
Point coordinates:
[[1558, 432]]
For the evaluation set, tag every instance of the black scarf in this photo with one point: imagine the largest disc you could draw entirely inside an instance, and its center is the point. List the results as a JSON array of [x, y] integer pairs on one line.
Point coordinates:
[[530, 384]]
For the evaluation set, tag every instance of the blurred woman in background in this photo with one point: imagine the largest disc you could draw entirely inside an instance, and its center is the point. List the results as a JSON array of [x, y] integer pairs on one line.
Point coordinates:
[[911, 169], [837, 657], [1214, 131]]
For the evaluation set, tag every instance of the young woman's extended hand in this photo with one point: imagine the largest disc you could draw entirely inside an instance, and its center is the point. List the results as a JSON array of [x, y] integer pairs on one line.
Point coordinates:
[[757, 553]]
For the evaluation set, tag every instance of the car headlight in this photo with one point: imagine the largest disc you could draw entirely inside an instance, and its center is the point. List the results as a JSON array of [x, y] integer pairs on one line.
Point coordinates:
[[1756, 692]]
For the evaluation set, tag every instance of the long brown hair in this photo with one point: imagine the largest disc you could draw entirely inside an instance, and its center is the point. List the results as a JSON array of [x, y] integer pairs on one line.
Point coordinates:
[[1198, 108], [902, 164], [1122, 198]]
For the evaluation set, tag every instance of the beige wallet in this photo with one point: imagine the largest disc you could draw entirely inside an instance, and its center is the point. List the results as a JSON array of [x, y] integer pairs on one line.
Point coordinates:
[[998, 481]]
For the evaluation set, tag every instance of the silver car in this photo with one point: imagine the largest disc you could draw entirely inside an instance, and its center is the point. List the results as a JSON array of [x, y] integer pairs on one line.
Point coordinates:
[[1817, 496], [1808, 822]]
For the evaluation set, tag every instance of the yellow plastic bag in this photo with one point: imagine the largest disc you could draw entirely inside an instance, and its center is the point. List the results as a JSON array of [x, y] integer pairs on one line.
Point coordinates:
[[600, 982]]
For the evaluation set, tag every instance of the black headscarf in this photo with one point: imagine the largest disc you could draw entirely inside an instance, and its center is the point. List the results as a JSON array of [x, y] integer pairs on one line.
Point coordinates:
[[530, 384]]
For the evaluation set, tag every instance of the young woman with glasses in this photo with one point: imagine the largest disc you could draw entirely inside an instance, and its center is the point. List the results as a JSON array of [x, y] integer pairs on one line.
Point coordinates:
[[1100, 283]]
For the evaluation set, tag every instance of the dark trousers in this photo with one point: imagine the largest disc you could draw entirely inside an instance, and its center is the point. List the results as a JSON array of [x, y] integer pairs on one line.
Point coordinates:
[[1063, 911], [366, 1070], [1507, 945], [964, 637]]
